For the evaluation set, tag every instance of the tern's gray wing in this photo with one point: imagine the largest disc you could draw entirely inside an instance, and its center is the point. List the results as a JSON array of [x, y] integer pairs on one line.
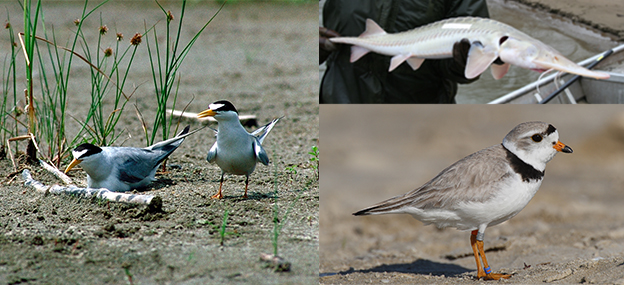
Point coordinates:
[[212, 153], [261, 155], [137, 163], [263, 131], [214, 130], [165, 148], [475, 178], [171, 143]]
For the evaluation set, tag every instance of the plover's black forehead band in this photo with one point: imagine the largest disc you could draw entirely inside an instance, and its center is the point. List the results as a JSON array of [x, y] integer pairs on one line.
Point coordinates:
[[551, 129]]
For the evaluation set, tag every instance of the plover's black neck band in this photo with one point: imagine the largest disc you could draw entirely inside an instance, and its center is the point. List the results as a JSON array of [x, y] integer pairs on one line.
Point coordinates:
[[527, 171]]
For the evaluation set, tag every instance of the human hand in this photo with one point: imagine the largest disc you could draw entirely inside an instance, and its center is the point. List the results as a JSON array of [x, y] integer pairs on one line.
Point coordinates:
[[326, 47], [460, 53]]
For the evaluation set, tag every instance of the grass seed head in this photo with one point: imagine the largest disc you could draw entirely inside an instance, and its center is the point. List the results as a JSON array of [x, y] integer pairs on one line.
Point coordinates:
[[136, 40], [103, 30]]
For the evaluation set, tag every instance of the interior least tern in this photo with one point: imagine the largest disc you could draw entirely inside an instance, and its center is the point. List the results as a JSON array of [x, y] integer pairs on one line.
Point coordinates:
[[236, 151], [124, 168], [483, 189]]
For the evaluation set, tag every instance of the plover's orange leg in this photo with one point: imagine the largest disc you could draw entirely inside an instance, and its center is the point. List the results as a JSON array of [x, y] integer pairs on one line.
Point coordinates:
[[485, 271], [218, 195], [488, 274], [473, 243]]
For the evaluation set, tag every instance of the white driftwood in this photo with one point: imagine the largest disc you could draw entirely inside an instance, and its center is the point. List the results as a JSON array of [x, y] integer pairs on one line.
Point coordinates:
[[29, 181], [56, 172], [275, 262], [190, 115], [11, 155], [101, 193]]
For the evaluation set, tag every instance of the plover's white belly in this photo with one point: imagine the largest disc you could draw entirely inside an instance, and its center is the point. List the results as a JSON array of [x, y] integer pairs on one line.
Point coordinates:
[[509, 200], [511, 197]]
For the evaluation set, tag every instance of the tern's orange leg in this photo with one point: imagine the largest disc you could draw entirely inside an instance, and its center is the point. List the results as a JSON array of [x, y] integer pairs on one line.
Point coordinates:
[[218, 195], [246, 185]]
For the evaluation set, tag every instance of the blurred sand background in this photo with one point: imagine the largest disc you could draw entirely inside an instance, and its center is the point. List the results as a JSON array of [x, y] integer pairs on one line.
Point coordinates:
[[571, 232]]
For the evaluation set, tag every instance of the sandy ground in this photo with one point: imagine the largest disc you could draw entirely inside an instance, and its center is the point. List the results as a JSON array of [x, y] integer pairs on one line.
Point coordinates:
[[571, 231], [604, 15], [259, 56]]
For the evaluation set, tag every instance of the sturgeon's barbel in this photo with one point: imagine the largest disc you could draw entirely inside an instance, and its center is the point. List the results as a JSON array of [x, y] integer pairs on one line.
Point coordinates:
[[489, 40]]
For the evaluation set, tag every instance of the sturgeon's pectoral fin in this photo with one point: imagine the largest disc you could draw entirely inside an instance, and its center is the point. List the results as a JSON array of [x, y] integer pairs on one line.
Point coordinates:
[[397, 60], [479, 58], [498, 71], [415, 62], [357, 52]]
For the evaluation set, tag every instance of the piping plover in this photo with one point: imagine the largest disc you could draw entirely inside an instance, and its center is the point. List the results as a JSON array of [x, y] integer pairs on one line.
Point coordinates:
[[124, 168], [236, 151], [483, 189]]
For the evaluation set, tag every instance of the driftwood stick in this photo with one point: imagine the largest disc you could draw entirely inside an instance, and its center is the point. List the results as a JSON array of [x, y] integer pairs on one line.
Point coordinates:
[[29, 181], [101, 193], [247, 120], [11, 155], [275, 262], [56, 172]]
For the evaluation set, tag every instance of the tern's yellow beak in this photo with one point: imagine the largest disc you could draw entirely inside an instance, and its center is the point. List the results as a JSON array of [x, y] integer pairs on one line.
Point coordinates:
[[72, 164], [559, 146], [206, 113]]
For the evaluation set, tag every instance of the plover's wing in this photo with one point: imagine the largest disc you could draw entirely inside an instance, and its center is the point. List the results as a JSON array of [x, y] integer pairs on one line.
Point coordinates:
[[475, 178]]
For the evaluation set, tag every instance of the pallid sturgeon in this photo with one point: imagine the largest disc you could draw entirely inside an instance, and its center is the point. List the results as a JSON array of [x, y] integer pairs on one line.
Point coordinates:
[[489, 40]]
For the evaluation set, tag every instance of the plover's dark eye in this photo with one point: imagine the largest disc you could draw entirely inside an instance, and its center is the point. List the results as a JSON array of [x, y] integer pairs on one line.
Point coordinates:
[[536, 138]]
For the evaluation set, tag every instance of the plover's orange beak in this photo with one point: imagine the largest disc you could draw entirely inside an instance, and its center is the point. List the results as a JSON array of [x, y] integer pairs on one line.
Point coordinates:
[[206, 113], [559, 146], [72, 164]]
